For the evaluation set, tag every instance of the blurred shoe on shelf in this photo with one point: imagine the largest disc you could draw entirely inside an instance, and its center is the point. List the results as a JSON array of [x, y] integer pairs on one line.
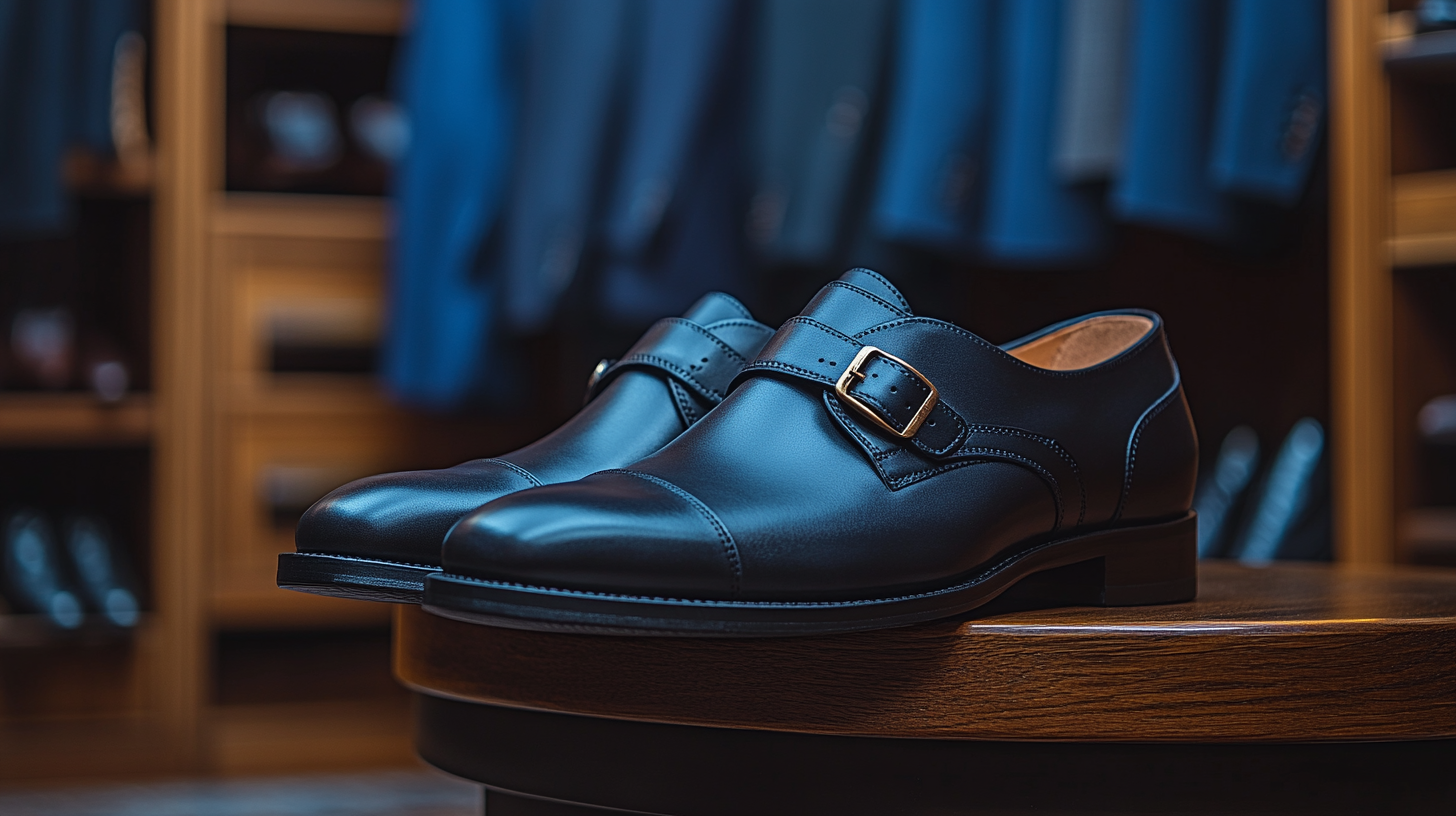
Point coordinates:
[[101, 570], [1220, 491], [380, 126], [43, 348], [302, 128], [31, 571], [1291, 509]]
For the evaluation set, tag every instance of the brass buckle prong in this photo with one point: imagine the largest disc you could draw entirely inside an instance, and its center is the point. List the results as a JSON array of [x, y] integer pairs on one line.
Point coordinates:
[[841, 388]]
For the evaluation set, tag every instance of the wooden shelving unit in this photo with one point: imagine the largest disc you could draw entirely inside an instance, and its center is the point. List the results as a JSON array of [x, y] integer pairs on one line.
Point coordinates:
[[73, 420], [1394, 226]]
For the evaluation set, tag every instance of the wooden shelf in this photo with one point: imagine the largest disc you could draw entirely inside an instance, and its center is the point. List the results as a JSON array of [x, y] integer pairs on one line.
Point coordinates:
[[88, 174], [1423, 219], [297, 737], [32, 631], [342, 16], [294, 215], [273, 608], [73, 420], [1426, 56]]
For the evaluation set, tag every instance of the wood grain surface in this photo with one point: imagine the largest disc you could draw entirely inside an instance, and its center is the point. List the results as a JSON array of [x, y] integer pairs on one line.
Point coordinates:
[[1283, 653]]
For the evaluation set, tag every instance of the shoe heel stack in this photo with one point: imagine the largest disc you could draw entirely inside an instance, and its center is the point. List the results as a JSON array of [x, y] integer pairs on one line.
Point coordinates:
[[1151, 565], [1136, 566]]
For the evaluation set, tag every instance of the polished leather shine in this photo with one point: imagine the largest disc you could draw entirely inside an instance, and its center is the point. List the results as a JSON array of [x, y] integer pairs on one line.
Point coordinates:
[[380, 534], [791, 508]]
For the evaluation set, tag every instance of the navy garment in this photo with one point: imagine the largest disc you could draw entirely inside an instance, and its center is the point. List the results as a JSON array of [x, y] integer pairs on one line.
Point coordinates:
[[1164, 180], [458, 80], [1272, 98], [1031, 217], [674, 222], [816, 78], [575, 68], [55, 91], [935, 129]]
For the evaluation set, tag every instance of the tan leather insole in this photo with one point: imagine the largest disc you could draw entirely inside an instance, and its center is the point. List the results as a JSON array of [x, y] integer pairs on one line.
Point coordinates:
[[1084, 344]]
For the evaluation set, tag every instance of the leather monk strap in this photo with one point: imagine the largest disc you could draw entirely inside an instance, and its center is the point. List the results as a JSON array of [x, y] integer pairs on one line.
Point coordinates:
[[686, 352], [887, 390]]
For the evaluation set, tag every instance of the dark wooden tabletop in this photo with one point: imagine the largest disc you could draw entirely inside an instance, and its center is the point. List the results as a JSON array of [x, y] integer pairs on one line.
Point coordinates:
[[1284, 653]]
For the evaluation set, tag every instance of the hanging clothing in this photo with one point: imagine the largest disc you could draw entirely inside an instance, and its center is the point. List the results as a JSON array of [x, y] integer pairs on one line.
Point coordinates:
[[1091, 90], [673, 227], [56, 59], [816, 80], [576, 63], [936, 123], [458, 76], [1272, 97], [1032, 217], [1164, 181]]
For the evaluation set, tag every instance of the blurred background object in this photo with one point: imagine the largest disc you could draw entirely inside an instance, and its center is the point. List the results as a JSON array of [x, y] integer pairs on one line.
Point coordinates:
[[376, 234]]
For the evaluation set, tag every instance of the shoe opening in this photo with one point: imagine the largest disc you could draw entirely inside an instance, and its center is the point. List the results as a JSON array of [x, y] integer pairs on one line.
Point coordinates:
[[1085, 343]]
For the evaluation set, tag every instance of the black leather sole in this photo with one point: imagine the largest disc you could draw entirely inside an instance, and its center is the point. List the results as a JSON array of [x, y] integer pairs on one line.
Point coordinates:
[[360, 579], [1144, 564]]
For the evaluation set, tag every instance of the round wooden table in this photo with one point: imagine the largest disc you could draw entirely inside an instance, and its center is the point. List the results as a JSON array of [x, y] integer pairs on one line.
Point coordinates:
[[1292, 688]]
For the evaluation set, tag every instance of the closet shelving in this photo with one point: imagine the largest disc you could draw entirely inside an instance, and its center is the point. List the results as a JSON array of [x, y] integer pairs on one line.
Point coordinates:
[[227, 673], [1395, 229]]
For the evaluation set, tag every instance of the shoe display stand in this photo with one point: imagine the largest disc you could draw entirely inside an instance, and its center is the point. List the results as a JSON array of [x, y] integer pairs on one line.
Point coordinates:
[[1286, 689]]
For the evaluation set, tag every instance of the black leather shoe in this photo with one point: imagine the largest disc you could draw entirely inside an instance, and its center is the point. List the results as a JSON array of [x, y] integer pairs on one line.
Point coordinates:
[[377, 538], [870, 469], [31, 571]]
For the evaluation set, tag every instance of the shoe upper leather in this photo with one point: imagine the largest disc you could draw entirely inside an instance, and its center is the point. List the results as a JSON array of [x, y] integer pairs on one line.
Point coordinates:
[[665, 383], [790, 490]]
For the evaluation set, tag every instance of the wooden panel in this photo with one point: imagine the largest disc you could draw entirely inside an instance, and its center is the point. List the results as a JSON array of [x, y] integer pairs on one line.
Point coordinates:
[[265, 456], [1286, 653], [188, 119], [1423, 219], [349, 16], [34, 420], [284, 215], [298, 738], [1360, 286]]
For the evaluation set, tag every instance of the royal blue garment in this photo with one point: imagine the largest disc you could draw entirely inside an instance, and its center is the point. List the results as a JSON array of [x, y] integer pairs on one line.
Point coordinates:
[[1272, 98], [1164, 180], [674, 223], [102, 23], [936, 127], [1031, 217], [817, 67], [577, 61], [459, 81], [55, 91]]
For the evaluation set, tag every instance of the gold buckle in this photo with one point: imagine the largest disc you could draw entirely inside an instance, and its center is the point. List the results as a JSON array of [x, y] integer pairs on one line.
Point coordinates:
[[845, 380]]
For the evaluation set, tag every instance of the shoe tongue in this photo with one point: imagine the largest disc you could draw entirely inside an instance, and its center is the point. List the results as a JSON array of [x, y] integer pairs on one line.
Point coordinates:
[[875, 284], [716, 306]]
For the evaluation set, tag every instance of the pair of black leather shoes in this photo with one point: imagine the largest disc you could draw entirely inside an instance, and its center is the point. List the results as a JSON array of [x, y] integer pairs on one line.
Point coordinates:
[[868, 468], [65, 578]]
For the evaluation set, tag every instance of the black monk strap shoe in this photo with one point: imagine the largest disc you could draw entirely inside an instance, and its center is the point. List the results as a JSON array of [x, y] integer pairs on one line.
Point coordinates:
[[377, 538], [869, 469]]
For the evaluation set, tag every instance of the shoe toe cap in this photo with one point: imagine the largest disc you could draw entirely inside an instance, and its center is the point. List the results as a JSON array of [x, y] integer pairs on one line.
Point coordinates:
[[616, 532], [402, 516]]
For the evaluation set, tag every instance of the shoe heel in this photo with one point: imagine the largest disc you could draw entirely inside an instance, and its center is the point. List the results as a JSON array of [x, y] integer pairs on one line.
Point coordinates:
[[1151, 565]]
